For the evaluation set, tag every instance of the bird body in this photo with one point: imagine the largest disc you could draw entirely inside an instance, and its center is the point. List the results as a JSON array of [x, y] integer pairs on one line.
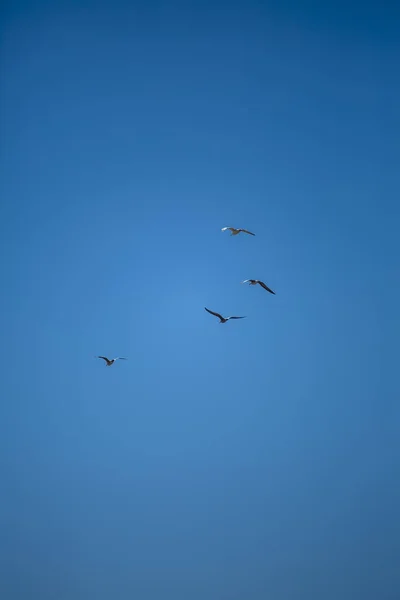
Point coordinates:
[[261, 283], [220, 317], [235, 231], [111, 361]]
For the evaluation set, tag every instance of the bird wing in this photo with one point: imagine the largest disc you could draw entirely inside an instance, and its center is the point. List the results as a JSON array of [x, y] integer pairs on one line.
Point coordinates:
[[266, 287], [104, 358], [121, 358], [214, 313], [225, 228], [236, 317], [249, 232], [245, 281]]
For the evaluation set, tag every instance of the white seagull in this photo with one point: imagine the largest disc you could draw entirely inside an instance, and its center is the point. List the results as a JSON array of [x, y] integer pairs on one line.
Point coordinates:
[[255, 281], [112, 360], [235, 231], [220, 317]]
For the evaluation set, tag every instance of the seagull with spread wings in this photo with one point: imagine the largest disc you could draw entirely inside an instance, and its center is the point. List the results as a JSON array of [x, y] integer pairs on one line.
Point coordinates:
[[235, 231], [255, 281], [220, 317], [111, 361]]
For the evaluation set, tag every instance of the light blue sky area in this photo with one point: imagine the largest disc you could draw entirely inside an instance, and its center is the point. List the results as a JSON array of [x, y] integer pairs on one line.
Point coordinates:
[[252, 460]]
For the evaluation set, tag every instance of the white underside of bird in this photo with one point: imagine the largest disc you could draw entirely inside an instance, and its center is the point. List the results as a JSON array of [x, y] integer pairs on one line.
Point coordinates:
[[261, 283], [235, 231]]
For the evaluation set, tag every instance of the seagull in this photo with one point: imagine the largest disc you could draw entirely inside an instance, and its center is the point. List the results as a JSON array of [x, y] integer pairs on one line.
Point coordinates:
[[255, 281], [112, 361], [236, 231], [220, 317]]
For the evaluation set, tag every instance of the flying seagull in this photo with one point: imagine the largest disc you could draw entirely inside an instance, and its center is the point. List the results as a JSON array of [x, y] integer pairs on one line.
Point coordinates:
[[255, 281], [112, 361], [220, 317], [235, 231]]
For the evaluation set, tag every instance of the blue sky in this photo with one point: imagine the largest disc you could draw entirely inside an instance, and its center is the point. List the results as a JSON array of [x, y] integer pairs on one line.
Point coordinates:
[[257, 459]]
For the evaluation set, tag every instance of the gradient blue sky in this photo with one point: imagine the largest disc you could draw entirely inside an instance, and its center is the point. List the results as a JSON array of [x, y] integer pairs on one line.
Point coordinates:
[[253, 460]]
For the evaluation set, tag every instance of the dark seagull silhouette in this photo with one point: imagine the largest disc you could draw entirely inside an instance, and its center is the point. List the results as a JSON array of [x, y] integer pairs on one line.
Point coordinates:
[[220, 317], [111, 361], [255, 281]]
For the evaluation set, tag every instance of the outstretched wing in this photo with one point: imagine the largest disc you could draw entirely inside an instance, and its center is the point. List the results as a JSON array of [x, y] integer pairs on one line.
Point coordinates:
[[104, 358], [214, 313], [225, 228], [236, 317], [121, 358], [266, 287], [249, 232]]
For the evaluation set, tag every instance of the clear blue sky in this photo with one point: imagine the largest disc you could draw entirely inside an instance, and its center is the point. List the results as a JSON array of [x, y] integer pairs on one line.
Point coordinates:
[[254, 460]]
